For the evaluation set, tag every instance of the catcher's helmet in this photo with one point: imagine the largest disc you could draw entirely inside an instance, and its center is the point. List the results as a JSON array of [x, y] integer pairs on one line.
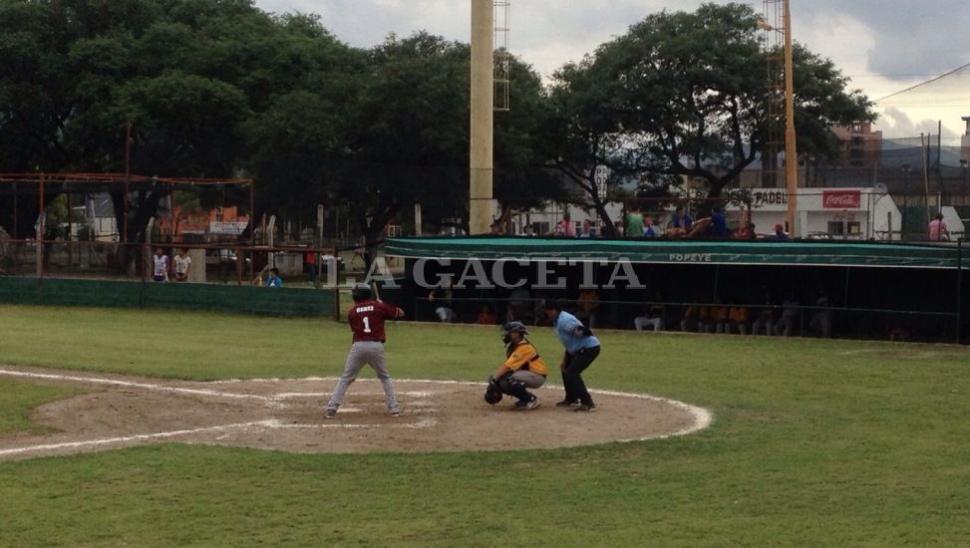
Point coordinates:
[[361, 292], [513, 327]]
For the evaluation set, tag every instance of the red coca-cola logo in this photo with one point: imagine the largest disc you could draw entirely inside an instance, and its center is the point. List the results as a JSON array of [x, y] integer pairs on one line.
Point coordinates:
[[851, 199]]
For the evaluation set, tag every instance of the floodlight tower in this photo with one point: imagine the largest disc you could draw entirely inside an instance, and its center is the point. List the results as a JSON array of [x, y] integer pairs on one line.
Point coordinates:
[[778, 40], [481, 210]]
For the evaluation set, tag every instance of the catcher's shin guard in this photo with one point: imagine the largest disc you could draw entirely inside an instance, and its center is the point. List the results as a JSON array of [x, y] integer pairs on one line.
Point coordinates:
[[515, 388]]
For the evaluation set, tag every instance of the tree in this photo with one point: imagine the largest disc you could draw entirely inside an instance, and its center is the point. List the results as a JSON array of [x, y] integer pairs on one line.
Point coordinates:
[[686, 94]]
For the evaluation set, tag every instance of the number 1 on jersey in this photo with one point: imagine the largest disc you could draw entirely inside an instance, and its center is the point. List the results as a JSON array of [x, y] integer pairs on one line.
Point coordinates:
[[367, 324]]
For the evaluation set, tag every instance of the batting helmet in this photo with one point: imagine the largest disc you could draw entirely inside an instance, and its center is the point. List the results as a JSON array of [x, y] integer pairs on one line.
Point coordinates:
[[361, 292]]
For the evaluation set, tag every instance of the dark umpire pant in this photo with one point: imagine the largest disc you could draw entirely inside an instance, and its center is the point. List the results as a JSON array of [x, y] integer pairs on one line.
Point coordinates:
[[572, 373]]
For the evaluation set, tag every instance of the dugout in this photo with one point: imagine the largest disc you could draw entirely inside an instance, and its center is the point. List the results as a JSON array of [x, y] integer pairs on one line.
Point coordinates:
[[872, 290]]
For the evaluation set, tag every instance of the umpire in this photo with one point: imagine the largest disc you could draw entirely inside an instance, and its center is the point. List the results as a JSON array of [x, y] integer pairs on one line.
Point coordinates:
[[581, 349]]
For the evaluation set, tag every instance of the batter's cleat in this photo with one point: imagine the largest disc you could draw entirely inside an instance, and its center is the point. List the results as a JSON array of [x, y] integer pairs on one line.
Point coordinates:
[[567, 403], [395, 413], [330, 414], [585, 408]]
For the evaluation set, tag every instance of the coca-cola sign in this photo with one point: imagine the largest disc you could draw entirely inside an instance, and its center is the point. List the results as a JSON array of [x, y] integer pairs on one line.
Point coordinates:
[[842, 199]]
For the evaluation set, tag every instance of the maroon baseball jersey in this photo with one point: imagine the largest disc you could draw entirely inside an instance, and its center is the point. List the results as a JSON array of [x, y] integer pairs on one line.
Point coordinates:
[[367, 318]]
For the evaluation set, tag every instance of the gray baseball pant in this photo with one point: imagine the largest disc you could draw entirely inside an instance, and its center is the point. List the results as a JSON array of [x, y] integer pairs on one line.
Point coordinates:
[[361, 354]]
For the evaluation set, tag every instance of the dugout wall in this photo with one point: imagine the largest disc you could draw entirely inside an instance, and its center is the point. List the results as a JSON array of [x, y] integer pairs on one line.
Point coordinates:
[[873, 291]]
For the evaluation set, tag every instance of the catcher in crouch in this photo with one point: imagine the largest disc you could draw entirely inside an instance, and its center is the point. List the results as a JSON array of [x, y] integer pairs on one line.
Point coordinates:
[[523, 369]]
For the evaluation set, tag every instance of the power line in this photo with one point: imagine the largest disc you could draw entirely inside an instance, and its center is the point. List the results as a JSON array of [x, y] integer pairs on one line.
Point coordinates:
[[928, 82]]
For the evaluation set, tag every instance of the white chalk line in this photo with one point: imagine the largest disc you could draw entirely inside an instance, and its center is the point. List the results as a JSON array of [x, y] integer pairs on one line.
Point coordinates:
[[272, 424], [130, 384], [127, 439]]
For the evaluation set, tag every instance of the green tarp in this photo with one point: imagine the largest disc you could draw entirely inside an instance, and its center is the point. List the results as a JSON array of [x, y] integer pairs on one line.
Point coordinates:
[[121, 294], [762, 253]]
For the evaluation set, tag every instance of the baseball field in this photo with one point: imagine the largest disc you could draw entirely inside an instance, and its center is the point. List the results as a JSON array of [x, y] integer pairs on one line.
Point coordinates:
[[815, 443]]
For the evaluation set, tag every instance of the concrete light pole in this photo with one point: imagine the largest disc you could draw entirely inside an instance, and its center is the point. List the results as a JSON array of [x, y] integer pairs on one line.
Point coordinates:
[[481, 210]]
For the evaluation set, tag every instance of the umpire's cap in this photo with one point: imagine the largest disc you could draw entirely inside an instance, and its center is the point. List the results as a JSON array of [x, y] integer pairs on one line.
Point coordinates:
[[515, 327], [361, 292]]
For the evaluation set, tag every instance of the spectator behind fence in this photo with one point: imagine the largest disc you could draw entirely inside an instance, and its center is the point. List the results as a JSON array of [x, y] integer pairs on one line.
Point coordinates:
[[160, 266], [588, 304], [652, 317], [680, 225], [938, 229], [780, 233], [183, 266], [821, 321], [738, 320], [587, 230], [634, 224], [565, 227], [519, 307], [718, 317], [695, 318], [274, 280], [441, 297], [650, 230], [746, 232], [310, 267], [487, 316], [719, 227], [789, 313], [766, 317]]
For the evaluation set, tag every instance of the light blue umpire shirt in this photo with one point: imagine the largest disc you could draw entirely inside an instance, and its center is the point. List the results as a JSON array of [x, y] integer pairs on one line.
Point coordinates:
[[569, 330]]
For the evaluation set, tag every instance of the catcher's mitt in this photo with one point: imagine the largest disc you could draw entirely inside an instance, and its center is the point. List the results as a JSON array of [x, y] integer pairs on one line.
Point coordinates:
[[493, 394]]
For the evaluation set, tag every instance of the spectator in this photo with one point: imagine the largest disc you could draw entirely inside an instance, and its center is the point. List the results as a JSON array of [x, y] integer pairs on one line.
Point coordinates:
[[780, 234], [310, 265], [274, 280], [789, 313], [487, 316], [821, 321], [649, 229], [746, 232], [519, 307], [183, 265], [738, 320], [718, 317], [653, 317], [719, 227], [565, 227], [634, 223], [766, 317], [587, 230], [680, 225], [441, 298], [160, 266], [588, 304], [938, 229], [695, 317]]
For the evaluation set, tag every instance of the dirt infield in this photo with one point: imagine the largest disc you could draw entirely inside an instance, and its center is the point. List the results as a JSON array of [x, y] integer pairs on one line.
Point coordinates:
[[287, 415]]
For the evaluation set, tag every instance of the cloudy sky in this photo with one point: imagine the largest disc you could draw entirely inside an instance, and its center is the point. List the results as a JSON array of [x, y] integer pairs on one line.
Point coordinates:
[[884, 45]]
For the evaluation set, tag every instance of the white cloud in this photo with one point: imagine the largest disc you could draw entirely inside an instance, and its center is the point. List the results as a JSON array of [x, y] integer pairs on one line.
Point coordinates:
[[883, 45]]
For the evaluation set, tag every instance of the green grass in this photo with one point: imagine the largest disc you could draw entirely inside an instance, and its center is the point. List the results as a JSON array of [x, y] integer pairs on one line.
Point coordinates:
[[815, 443], [18, 398]]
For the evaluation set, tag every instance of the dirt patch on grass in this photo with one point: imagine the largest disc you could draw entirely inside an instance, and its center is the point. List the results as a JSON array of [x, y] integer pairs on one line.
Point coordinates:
[[287, 415]]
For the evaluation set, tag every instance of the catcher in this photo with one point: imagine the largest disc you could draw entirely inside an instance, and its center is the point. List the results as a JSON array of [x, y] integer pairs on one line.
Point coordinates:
[[523, 369]]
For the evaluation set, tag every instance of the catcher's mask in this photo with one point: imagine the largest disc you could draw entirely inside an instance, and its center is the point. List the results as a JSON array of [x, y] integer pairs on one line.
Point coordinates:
[[513, 327]]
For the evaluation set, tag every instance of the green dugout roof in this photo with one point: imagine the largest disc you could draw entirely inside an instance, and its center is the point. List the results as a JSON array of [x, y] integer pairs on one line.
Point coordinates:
[[757, 253]]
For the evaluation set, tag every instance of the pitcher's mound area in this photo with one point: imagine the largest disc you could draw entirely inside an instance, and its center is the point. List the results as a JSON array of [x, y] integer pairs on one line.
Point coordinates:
[[287, 415]]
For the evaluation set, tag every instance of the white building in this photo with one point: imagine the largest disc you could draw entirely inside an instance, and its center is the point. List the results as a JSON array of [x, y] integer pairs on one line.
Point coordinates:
[[838, 213]]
